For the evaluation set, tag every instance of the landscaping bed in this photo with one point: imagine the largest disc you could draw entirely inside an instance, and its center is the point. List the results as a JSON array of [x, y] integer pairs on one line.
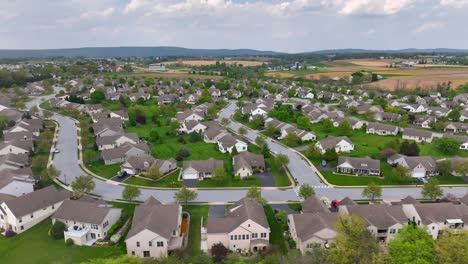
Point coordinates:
[[168, 181]]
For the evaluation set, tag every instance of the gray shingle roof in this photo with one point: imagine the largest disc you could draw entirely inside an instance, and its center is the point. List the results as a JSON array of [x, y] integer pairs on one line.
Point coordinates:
[[91, 212]]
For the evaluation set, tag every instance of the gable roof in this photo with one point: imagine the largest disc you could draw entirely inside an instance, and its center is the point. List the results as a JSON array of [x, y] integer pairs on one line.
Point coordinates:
[[154, 216], [84, 211], [379, 215], [331, 141], [208, 165], [36, 200], [314, 205], [241, 211], [307, 225], [360, 163]]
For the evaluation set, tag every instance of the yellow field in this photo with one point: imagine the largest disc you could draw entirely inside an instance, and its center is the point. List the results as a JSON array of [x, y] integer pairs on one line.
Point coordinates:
[[212, 62], [279, 74]]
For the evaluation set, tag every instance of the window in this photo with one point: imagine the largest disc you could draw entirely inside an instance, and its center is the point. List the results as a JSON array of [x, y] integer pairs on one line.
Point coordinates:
[[263, 235], [254, 235], [133, 253], [105, 224], [243, 237], [248, 225], [309, 245], [247, 236], [53, 207], [150, 243], [22, 227], [146, 254], [138, 244], [232, 237], [160, 244], [392, 231], [20, 220]]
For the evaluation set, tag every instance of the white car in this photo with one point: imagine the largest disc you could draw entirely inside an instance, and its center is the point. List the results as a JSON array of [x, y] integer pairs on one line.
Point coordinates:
[[56, 151]]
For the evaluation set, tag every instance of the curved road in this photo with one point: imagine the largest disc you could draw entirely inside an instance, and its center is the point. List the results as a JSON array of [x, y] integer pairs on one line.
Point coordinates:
[[67, 162]]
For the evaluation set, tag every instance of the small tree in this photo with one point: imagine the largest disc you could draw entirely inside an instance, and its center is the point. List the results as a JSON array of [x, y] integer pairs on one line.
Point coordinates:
[[313, 151], [225, 121], [260, 141], [444, 167], [281, 216], [327, 125], [431, 189], [282, 160], [306, 191], [242, 131], [82, 184], [52, 172], [130, 192], [330, 154], [448, 146], [401, 172], [56, 232], [372, 191], [184, 152], [184, 195], [462, 169], [345, 128], [219, 252], [256, 194], [154, 173], [219, 174]]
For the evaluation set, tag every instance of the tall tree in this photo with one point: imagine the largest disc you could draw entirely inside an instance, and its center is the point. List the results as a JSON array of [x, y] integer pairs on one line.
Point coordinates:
[[354, 243], [242, 131], [372, 191], [411, 245], [431, 189], [452, 247], [282, 160], [130, 192], [184, 195], [462, 169], [82, 184]]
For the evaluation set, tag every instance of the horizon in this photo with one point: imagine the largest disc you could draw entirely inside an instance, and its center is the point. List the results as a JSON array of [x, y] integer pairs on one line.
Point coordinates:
[[294, 26]]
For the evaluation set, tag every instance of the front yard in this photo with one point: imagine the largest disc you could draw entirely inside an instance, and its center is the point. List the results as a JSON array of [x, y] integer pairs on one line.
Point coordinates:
[[168, 181], [101, 169]]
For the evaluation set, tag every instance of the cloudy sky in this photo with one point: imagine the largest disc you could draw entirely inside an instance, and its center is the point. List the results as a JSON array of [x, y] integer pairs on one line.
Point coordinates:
[[289, 26]]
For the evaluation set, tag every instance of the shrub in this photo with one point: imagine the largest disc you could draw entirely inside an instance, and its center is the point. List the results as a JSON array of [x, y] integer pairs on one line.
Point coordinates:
[[115, 238], [69, 242], [292, 243], [10, 233], [184, 152], [56, 232]]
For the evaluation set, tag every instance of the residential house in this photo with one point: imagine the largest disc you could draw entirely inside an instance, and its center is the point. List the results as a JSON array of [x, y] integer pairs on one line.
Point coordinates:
[[463, 115], [108, 127], [190, 115], [110, 142], [17, 182], [228, 142], [365, 108], [456, 127], [124, 151], [137, 164], [200, 169], [340, 144], [354, 123], [383, 221], [438, 111], [244, 227], [121, 114], [156, 230], [192, 126], [86, 220], [381, 129], [415, 108], [437, 217], [417, 135], [246, 164], [423, 120], [23, 212], [387, 117], [420, 166], [32, 125], [16, 147], [358, 166]]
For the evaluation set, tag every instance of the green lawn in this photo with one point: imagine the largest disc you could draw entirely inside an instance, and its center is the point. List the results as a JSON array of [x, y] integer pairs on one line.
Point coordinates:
[[106, 171], [196, 213], [431, 150], [35, 247], [170, 180], [277, 230]]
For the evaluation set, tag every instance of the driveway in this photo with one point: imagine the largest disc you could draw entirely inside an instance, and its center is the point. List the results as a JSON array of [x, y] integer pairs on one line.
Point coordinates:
[[190, 183], [266, 179]]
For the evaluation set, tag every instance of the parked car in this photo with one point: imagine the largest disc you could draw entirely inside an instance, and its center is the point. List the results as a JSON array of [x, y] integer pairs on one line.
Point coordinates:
[[56, 151], [324, 163], [122, 174]]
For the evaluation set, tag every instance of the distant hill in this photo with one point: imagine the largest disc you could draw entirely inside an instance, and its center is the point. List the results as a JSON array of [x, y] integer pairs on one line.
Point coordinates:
[[132, 52], [412, 50]]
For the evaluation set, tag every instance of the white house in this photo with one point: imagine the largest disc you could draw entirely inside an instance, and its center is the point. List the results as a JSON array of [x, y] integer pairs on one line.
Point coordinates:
[[86, 220], [21, 213], [340, 144], [228, 142]]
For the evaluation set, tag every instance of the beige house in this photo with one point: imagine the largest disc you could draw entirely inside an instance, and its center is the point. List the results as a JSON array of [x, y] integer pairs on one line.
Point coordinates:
[[21, 213], [86, 220], [312, 228], [244, 227], [246, 164], [156, 229]]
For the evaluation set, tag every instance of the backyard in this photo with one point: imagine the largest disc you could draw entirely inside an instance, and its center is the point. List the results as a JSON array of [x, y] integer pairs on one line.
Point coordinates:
[[35, 246], [196, 213]]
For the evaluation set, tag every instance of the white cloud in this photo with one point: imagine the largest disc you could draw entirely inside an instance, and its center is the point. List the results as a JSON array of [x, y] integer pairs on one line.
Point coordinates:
[[373, 7], [454, 3], [429, 26]]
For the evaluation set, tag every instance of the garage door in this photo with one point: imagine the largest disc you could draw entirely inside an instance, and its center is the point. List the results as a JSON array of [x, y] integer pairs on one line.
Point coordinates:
[[190, 176], [129, 171], [419, 174]]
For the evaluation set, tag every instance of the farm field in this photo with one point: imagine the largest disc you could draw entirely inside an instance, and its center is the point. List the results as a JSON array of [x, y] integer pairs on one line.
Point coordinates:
[[212, 62], [421, 76]]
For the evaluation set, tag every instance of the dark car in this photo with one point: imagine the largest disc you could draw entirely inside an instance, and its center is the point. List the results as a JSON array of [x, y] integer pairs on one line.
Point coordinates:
[[122, 174]]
